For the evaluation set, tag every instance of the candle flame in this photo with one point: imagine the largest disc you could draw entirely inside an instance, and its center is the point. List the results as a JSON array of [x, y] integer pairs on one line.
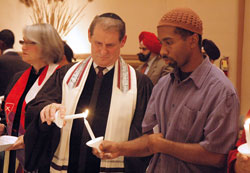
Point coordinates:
[[86, 112]]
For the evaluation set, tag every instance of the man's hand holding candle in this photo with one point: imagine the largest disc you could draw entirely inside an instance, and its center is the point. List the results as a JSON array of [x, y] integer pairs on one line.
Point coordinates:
[[242, 164], [48, 112]]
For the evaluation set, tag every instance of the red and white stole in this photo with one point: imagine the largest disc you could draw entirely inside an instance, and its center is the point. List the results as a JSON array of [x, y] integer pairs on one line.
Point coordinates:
[[122, 107], [12, 102], [16, 92]]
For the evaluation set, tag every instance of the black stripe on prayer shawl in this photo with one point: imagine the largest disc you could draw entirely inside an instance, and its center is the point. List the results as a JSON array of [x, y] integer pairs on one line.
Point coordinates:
[[59, 168], [102, 170]]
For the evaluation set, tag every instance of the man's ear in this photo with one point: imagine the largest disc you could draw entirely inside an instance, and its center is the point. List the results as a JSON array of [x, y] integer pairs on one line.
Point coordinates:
[[123, 41], [89, 36], [194, 40]]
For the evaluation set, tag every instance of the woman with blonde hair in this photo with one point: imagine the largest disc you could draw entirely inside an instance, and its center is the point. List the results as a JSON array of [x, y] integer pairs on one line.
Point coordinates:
[[43, 49]]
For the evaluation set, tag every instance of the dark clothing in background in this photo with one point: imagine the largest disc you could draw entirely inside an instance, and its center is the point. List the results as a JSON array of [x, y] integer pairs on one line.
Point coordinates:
[[10, 64]]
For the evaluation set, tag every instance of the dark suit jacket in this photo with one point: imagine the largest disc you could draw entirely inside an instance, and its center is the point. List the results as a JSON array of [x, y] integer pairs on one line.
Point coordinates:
[[10, 64], [157, 69]]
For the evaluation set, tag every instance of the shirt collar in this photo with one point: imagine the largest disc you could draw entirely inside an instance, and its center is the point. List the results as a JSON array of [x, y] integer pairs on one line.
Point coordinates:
[[150, 62], [8, 50], [198, 76], [106, 70]]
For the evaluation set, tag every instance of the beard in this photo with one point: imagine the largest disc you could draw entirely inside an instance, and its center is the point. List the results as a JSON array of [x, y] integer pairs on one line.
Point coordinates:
[[171, 62], [143, 58]]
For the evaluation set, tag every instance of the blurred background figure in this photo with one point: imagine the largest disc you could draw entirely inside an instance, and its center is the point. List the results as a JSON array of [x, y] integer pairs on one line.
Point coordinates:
[[211, 50], [43, 49], [154, 66], [10, 61], [68, 55]]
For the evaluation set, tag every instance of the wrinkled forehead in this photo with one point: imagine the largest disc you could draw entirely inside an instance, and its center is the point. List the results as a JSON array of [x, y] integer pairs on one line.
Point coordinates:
[[103, 31]]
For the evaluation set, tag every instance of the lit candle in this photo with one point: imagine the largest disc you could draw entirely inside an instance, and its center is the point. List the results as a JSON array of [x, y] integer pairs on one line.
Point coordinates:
[[89, 128], [74, 116], [246, 127], [59, 121]]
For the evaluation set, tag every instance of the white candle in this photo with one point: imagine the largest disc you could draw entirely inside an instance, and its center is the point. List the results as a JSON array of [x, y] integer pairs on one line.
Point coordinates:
[[89, 129], [246, 127], [74, 116]]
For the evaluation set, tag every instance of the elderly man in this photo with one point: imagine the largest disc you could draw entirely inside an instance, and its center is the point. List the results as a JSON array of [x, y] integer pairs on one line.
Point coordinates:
[[195, 108], [153, 65], [113, 92]]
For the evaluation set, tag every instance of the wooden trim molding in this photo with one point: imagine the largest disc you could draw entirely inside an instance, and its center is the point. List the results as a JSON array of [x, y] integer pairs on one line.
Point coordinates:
[[130, 59]]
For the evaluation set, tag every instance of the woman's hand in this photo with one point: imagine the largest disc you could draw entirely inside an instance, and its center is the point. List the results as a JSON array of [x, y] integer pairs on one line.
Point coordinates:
[[19, 144], [2, 129]]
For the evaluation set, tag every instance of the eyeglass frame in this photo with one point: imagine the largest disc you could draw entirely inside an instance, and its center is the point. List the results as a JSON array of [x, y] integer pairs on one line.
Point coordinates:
[[22, 42]]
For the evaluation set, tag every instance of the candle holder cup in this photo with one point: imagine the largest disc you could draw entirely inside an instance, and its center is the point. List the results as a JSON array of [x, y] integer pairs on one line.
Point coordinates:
[[244, 149], [58, 120], [94, 143]]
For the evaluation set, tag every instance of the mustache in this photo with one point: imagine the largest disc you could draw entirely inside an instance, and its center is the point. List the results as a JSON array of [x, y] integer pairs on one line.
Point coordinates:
[[166, 57], [172, 62]]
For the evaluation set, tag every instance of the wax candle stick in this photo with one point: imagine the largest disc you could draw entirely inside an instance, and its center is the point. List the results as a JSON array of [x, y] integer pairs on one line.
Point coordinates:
[[89, 129], [59, 121], [246, 127], [81, 115]]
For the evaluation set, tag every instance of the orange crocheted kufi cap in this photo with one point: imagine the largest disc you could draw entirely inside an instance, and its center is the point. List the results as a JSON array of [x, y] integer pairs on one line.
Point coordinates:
[[183, 18]]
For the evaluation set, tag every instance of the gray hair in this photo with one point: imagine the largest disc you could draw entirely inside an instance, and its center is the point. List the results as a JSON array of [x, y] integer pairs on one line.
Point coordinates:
[[109, 21], [47, 38]]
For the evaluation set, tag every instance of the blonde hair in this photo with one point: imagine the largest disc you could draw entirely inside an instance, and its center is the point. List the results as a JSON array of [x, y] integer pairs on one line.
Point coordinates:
[[47, 38]]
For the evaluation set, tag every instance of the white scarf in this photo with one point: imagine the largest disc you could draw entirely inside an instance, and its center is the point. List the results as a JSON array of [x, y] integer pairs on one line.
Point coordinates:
[[122, 107]]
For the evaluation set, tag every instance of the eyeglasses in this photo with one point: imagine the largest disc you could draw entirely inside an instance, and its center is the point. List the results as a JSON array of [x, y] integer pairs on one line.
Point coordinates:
[[22, 42]]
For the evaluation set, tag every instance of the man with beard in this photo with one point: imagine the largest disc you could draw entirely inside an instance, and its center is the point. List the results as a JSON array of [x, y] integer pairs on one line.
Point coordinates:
[[195, 107], [154, 66]]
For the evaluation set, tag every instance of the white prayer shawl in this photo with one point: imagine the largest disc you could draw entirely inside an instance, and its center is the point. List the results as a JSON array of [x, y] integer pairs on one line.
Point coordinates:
[[122, 107]]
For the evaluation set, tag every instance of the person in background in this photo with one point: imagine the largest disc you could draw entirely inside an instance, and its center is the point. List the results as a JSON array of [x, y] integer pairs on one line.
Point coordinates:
[[153, 65], [42, 48], [211, 50], [237, 162], [10, 61], [195, 108], [115, 94], [68, 55]]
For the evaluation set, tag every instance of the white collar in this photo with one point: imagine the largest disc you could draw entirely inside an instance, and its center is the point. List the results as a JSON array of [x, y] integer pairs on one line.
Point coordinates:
[[105, 70], [8, 50]]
